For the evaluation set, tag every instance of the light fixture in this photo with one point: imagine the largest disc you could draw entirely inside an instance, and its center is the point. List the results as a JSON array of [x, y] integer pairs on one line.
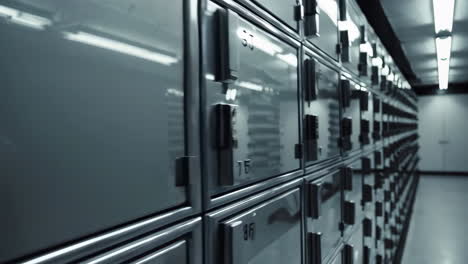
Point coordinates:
[[23, 18], [443, 24], [443, 45], [443, 15]]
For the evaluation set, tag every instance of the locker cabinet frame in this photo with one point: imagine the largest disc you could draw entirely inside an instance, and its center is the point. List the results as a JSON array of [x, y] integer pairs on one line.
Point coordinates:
[[81, 246], [139, 238], [212, 220], [332, 65], [249, 188]]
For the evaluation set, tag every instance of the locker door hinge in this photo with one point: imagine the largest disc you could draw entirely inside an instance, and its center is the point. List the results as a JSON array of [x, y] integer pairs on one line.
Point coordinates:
[[185, 166]]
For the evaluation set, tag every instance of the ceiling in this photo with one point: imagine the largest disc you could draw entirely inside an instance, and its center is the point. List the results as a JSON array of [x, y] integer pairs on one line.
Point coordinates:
[[413, 23]]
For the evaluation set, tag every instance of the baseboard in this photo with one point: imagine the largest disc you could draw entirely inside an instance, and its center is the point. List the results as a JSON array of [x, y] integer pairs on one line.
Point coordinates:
[[443, 173]]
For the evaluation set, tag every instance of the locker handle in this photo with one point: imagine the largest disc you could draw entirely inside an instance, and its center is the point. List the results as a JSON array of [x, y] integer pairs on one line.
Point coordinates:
[[349, 212], [347, 178], [310, 87], [225, 141], [311, 134], [315, 200], [312, 18], [348, 254], [364, 100], [367, 227], [367, 195], [345, 87], [228, 53], [315, 247]]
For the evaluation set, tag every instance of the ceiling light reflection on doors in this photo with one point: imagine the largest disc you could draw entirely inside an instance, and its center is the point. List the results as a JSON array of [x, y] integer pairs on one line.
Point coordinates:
[[120, 47], [25, 19], [443, 15]]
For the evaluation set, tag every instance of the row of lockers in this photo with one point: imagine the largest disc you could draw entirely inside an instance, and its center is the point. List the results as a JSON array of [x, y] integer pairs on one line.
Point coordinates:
[[107, 107], [353, 213]]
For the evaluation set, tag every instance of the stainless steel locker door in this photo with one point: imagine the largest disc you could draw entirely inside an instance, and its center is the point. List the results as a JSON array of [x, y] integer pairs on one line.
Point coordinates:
[[350, 35], [267, 233], [323, 203], [321, 25], [92, 117], [252, 110], [321, 104], [181, 244], [284, 10]]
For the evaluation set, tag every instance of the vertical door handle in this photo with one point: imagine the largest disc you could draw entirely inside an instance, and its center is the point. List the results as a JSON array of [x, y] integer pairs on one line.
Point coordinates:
[[315, 200], [349, 212], [310, 87], [225, 141], [312, 18], [228, 57], [315, 248], [348, 257]]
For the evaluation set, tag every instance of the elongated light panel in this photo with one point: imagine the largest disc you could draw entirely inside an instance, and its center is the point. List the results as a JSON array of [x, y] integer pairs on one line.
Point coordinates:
[[444, 46], [443, 15]]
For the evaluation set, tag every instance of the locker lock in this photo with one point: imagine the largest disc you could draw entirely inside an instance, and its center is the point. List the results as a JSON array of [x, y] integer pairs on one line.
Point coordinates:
[[315, 248], [310, 87], [348, 254], [349, 215], [315, 200], [312, 18], [367, 226]]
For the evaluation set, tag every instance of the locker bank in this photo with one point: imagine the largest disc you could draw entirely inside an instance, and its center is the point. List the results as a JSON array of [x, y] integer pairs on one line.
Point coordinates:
[[229, 131]]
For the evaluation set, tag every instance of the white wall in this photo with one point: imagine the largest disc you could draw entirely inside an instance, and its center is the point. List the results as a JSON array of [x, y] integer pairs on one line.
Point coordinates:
[[443, 130]]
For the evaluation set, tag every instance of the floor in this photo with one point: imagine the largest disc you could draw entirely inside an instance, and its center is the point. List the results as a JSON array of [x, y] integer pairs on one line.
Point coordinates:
[[439, 229]]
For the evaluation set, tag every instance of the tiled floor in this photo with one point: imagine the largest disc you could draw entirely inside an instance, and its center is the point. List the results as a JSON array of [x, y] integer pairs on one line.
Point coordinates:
[[439, 229]]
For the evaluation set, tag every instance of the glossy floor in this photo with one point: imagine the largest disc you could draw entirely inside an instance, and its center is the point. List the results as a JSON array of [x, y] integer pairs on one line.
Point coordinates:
[[438, 232]]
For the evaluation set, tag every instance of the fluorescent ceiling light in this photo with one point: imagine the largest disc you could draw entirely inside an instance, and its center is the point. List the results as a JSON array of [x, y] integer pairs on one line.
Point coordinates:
[[443, 15], [23, 18], [444, 46], [120, 47]]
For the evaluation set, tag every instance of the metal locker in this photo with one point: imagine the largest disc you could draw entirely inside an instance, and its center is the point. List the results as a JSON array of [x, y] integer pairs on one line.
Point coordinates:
[[321, 101], [289, 11], [350, 34], [140, 242], [251, 114], [321, 25], [350, 92], [266, 228], [94, 118], [323, 214]]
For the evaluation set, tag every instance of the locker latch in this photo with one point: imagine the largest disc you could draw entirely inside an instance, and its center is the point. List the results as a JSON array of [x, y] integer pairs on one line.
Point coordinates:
[[312, 18], [228, 56], [226, 141], [349, 212], [310, 86], [311, 135], [315, 248], [348, 257], [315, 200]]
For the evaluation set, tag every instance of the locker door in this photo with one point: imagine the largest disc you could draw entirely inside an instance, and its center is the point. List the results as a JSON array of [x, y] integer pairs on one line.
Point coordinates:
[[321, 112], [323, 205], [321, 25], [350, 34], [284, 10], [252, 110], [93, 118], [180, 244], [268, 233], [350, 92]]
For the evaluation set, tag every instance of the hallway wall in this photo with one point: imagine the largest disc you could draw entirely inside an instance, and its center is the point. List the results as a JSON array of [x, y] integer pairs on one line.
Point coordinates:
[[443, 128]]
